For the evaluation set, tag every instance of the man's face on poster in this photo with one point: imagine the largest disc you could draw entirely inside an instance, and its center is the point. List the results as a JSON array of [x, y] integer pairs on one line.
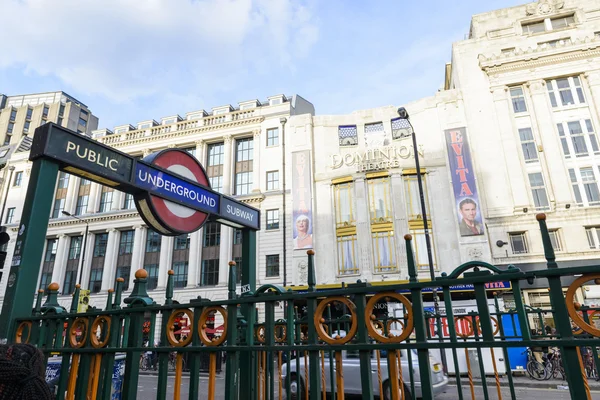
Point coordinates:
[[469, 212]]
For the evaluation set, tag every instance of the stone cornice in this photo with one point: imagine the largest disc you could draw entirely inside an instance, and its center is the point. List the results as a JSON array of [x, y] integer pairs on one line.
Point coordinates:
[[140, 137], [251, 198], [541, 55], [92, 218]]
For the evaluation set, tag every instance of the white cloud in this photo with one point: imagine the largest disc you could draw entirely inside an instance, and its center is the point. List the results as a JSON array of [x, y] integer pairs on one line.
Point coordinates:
[[125, 50]]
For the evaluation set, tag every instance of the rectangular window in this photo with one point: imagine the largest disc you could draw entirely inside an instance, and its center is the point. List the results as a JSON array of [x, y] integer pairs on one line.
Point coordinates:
[[555, 239], [562, 22], [243, 166], [538, 191], [344, 204], [72, 264], [82, 122], [577, 138], [210, 273], [593, 236], [106, 199], [152, 258], [575, 186], [272, 137], [59, 206], [380, 200], [129, 202], [518, 99], [191, 150], [272, 180], [10, 128], [272, 219], [214, 166], [534, 27], [29, 114], [411, 186], [212, 234], [528, 146], [59, 121], [10, 214], [45, 112], [565, 91], [7, 139], [563, 141], [382, 227], [126, 243], [384, 254], [82, 204], [518, 243], [18, 178], [61, 110], [26, 126], [272, 265], [590, 186], [420, 244], [347, 262], [98, 255], [13, 115], [181, 273]]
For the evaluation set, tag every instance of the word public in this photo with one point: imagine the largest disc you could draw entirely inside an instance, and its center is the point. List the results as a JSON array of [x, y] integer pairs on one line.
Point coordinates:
[[92, 156]]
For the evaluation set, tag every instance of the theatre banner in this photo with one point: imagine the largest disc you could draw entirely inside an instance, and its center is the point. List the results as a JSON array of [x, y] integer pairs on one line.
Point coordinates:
[[302, 198], [467, 204]]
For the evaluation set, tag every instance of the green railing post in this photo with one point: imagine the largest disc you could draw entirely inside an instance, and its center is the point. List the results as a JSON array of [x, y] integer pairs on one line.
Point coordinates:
[[452, 332], [29, 246], [314, 385], [137, 300], [419, 323], [194, 357], [520, 309], [163, 356], [562, 320], [362, 337], [513, 395], [231, 387], [248, 369]]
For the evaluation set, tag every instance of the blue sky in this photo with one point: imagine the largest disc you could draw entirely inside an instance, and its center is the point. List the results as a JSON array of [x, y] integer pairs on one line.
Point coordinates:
[[136, 60]]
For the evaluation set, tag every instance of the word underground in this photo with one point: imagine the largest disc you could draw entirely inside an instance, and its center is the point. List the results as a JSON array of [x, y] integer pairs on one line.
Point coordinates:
[[169, 186], [92, 156]]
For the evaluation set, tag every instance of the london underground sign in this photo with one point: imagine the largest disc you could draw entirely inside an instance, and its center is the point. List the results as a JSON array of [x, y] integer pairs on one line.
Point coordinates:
[[171, 189]]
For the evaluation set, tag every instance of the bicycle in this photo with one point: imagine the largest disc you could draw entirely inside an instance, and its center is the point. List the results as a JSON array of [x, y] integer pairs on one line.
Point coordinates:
[[145, 362], [554, 364], [173, 361], [536, 369]]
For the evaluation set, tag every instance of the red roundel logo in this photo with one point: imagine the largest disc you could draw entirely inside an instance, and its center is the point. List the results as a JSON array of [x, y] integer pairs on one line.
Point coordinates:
[[164, 216]]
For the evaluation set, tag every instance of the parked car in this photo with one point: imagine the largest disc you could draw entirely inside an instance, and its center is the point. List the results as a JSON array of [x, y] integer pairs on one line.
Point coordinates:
[[352, 382]]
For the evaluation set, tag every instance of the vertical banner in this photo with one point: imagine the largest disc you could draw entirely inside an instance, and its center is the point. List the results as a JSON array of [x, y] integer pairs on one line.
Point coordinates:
[[463, 183], [302, 197]]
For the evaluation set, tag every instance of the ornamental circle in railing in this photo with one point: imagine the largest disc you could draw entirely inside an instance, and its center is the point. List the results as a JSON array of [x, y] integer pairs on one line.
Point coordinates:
[[202, 327], [183, 340], [103, 323], [78, 332], [19, 334], [320, 320], [571, 304], [370, 318]]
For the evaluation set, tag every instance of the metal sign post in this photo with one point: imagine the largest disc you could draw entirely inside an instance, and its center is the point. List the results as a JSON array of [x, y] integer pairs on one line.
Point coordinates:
[[171, 191]]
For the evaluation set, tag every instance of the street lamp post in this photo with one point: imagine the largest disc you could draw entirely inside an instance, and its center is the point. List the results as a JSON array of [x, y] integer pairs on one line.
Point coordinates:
[[403, 114], [81, 263]]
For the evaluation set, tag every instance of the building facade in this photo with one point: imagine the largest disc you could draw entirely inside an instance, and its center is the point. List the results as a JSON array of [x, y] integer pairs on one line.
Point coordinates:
[[529, 77]]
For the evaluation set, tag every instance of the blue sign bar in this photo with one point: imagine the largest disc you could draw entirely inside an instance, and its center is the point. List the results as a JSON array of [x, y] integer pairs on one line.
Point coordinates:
[[236, 212], [170, 187]]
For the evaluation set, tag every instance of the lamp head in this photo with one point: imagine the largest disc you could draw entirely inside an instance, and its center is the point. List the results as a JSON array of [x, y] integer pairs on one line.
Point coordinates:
[[283, 120], [402, 113], [68, 214]]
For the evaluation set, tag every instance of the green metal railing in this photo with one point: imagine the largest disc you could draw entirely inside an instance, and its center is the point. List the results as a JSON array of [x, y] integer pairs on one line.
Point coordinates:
[[304, 344]]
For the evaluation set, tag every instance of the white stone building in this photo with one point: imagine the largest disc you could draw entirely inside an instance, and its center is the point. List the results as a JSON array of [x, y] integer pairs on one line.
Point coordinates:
[[242, 151], [529, 77]]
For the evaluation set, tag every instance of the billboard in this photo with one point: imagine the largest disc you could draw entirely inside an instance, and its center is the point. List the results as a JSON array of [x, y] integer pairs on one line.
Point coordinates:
[[463, 182], [302, 194]]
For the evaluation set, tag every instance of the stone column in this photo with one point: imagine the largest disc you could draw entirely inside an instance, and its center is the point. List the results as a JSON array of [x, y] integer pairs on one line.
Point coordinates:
[[194, 259], [110, 259], [400, 222], [60, 261], [94, 198], [87, 264], [557, 179], [72, 192], [227, 165], [201, 151], [118, 198], [166, 260], [593, 80], [364, 250], [225, 251], [138, 251], [256, 171], [510, 149]]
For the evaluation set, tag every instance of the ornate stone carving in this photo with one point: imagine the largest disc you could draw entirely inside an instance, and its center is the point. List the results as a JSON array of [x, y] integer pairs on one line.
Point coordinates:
[[227, 139], [537, 87], [172, 146], [475, 253], [544, 7], [593, 77], [499, 92], [147, 152], [199, 143], [302, 272], [256, 133]]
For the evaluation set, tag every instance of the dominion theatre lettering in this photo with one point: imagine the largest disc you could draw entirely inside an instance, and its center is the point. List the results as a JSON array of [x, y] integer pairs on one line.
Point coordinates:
[[375, 159]]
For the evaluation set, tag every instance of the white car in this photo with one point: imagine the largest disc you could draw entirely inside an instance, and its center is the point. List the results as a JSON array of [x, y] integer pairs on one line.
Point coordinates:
[[352, 382]]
